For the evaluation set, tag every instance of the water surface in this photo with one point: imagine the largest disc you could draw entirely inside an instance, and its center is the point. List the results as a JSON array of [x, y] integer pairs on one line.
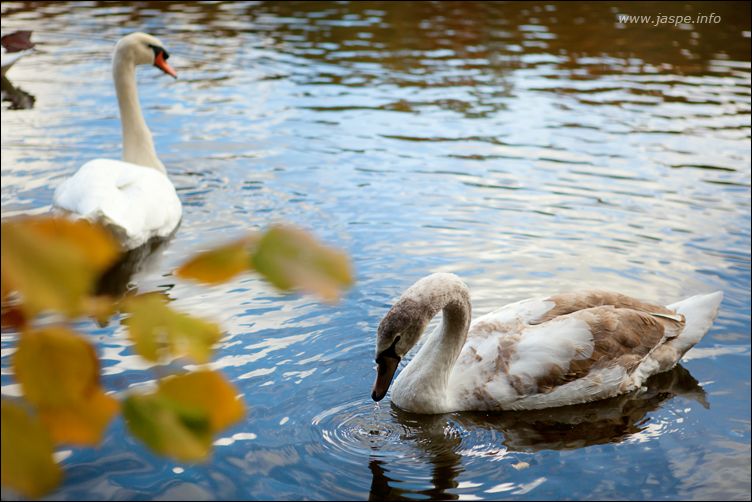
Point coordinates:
[[530, 149]]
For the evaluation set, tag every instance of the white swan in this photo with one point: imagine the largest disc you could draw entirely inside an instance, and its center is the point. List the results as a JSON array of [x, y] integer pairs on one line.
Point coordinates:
[[537, 353], [133, 197]]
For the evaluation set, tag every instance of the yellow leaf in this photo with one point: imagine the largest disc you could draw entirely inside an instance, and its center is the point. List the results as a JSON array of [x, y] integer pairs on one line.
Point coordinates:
[[59, 374], [27, 463], [291, 258], [220, 264], [55, 367], [53, 262], [206, 390], [157, 330], [82, 423], [181, 417]]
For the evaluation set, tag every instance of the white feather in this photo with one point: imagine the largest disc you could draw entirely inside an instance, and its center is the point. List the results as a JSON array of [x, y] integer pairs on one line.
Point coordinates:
[[137, 202]]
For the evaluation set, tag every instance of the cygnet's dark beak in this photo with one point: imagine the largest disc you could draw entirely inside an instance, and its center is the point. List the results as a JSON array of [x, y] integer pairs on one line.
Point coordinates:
[[387, 368], [387, 363]]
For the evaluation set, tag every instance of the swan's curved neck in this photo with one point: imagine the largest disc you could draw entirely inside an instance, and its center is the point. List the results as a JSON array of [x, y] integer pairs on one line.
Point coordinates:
[[138, 146], [428, 372]]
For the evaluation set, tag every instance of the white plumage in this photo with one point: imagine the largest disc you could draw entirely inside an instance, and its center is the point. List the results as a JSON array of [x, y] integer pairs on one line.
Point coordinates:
[[133, 197], [138, 203]]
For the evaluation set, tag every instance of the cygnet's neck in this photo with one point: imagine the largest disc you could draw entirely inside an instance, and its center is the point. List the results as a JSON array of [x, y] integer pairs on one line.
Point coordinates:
[[424, 381], [138, 146]]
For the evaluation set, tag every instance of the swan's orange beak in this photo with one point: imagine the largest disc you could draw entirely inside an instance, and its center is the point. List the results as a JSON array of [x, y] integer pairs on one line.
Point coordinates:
[[161, 63], [387, 367]]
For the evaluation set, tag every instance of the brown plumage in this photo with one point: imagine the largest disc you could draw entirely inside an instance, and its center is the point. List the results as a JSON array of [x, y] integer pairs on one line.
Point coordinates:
[[624, 331]]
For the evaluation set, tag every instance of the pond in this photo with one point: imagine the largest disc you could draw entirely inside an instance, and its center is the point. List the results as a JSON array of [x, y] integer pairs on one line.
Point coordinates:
[[528, 148]]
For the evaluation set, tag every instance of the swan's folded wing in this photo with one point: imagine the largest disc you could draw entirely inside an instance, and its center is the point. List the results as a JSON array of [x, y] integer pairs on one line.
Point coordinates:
[[585, 355], [567, 303], [137, 202]]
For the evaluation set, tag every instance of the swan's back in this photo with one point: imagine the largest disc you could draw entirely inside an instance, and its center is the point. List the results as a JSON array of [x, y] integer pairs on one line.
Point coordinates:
[[573, 348], [137, 203]]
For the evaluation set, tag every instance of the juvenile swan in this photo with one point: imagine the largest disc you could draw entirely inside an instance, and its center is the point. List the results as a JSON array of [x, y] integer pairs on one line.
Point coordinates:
[[537, 353], [133, 197]]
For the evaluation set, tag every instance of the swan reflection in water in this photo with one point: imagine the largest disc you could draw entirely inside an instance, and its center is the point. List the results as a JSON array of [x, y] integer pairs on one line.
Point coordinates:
[[117, 280], [607, 421]]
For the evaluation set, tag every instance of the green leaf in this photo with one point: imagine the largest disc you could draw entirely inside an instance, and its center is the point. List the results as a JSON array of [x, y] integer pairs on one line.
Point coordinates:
[[182, 416], [27, 463], [168, 428], [157, 330], [220, 264], [53, 262], [290, 259]]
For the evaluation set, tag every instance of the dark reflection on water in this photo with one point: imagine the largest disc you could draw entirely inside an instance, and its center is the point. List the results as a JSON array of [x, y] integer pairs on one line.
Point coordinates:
[[118, 279], [17, 97], [530, 148], [573, 427]]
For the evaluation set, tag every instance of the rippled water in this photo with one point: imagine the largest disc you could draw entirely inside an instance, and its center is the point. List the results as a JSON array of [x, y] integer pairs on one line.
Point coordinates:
[[528, 148]]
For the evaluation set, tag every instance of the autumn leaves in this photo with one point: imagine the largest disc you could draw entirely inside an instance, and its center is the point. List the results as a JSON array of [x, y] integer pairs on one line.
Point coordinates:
[[50, 267]]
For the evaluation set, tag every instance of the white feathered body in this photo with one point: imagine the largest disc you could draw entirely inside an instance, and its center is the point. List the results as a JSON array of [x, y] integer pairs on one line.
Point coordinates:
[[137, 203]]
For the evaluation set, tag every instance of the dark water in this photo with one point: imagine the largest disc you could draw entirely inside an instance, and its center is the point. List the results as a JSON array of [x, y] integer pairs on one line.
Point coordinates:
[[529, 148]]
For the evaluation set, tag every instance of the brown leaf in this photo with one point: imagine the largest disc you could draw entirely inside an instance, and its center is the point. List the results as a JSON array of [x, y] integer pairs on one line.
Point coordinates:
[[17, 41]]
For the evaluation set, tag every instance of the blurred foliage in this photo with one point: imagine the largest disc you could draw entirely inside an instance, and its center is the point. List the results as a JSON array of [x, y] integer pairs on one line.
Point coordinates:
[[51, 265], [159, 332], [287, 257], [181, 417]]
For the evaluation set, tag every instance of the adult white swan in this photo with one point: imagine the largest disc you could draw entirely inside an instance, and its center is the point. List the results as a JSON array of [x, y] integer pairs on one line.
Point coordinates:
[[537, 353], [133, 197]]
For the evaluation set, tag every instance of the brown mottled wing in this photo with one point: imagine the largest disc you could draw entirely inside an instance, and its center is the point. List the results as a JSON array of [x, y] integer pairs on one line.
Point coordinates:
[[567, 303], [621, 336]]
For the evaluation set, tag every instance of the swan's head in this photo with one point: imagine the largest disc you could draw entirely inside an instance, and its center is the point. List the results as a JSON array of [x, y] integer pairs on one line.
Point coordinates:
[[403, 325], [399, 331], [142, 48]]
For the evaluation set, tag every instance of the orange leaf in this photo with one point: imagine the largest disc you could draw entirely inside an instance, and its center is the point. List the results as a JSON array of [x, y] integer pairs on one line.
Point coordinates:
[[219, 264], [82, 423], [206, 390]]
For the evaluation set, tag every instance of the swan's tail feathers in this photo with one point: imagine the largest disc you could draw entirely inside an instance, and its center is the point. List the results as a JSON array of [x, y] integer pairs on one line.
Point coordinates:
[[699, 312]]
